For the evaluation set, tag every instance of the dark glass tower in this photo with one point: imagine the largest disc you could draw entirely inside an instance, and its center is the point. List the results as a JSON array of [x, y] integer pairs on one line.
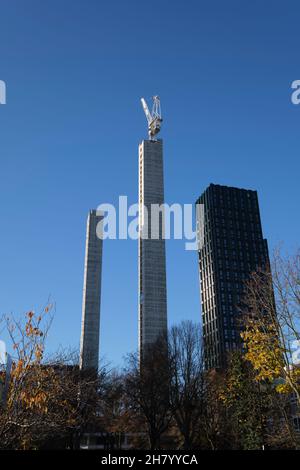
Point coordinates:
[[231, 246]]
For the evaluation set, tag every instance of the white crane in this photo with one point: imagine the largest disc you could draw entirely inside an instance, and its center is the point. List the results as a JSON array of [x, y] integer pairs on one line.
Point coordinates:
[[154, 119]]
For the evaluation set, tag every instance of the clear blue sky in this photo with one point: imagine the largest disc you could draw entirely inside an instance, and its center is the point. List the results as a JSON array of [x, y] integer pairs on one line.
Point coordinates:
[[75, 71]]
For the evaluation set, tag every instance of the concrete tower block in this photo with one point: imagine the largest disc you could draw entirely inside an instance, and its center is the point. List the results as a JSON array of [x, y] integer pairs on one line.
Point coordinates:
[[90, 324], [152, 259]]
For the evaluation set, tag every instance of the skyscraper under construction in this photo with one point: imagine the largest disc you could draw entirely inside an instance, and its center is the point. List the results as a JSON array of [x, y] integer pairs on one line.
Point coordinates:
[[152, 258]]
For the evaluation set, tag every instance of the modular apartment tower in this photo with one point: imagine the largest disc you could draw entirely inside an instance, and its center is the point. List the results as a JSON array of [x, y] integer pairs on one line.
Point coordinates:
[[231, 246], [90, 325], [152, 258]]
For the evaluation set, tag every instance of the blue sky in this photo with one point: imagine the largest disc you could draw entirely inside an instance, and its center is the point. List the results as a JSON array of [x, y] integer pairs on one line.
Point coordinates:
[[75, 71]]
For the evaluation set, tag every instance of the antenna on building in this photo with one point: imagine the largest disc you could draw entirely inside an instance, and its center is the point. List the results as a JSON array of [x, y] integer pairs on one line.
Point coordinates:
[[154, 119]]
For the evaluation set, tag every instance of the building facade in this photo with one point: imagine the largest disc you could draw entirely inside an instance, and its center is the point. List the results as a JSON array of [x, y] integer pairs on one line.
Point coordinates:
[[152, 258], [231, 246], [90, 324]]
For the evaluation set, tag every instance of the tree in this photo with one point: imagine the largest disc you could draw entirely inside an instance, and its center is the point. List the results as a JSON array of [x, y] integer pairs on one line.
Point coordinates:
[[247, 404], [115, 417], [187, 380], [272, 323], [147, 390], [216, 430], [47, 401]]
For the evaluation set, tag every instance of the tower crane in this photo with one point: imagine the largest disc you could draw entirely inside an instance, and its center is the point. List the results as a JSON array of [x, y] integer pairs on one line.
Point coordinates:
[[154, 119]]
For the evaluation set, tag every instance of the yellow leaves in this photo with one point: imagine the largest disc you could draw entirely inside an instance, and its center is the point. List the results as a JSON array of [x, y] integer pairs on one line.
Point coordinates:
[[38, 353], [263, 349], [34, 399], [296, 373], [32, 325], [17, 368], [32, 330], [283, 388]]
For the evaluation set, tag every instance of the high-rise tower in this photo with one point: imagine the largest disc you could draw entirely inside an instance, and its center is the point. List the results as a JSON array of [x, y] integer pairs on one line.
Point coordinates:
[[90, 325], [152, 258], [232, 246]]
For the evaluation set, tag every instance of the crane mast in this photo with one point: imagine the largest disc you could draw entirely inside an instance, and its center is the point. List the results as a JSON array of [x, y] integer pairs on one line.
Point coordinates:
[[154, 118]]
